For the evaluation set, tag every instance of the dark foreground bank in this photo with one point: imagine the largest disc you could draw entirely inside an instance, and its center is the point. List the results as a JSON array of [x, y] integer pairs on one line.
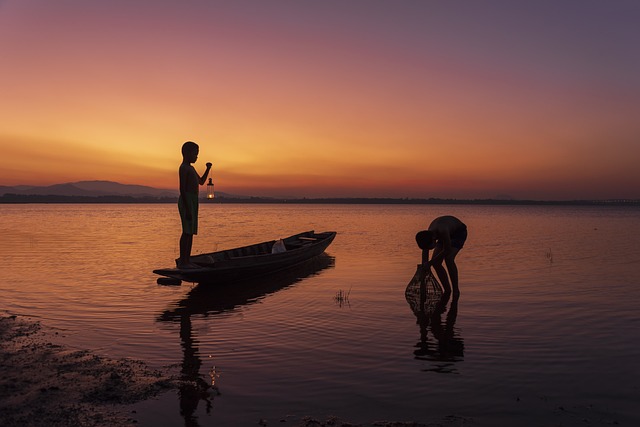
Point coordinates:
[[43, 383]]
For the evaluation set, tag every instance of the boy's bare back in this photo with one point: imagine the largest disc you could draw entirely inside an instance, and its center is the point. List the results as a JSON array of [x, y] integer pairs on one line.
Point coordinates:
[[445, 224]]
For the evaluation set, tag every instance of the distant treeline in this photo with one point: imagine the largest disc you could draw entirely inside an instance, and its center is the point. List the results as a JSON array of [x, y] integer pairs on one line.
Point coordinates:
[[24, 198]]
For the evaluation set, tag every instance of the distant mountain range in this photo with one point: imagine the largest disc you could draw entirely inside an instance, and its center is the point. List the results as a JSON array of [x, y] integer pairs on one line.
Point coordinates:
[[95, 189]]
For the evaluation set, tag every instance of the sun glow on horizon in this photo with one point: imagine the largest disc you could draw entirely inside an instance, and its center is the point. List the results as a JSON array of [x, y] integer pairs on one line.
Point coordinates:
[[321, 100]]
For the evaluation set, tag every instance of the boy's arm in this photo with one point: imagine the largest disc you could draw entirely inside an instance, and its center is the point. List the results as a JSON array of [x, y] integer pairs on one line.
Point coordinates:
[[425, 258], [424, 265], [203, 178]]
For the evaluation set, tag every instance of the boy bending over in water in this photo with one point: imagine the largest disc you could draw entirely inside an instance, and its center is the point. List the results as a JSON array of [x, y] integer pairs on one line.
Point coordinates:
[[446, 235]]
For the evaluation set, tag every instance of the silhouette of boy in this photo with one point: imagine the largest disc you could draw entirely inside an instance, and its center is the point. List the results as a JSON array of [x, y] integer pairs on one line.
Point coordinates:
[[446, 235], [188, 201]]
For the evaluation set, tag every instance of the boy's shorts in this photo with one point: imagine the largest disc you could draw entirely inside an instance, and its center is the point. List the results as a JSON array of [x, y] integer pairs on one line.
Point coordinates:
[[458, 238], [189, 226]]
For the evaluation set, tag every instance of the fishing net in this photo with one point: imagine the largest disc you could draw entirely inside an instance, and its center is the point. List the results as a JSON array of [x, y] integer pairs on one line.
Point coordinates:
[[423, 291]]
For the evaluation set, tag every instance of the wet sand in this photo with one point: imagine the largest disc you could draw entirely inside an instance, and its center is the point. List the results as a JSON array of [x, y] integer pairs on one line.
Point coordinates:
[[43, 383]]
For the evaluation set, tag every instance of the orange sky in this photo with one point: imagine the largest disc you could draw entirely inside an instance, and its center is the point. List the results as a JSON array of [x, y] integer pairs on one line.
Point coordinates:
[[319, 99]]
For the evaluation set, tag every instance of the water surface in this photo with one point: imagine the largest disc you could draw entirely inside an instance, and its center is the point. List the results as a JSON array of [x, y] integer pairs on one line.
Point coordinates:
[[546, 331]]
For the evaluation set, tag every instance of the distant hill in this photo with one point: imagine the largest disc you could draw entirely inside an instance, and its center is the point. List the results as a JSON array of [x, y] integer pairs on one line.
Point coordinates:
[[89, 188], [95, 189]]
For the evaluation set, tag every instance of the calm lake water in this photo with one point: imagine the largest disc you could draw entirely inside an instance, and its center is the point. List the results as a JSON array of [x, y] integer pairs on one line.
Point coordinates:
[[546, 331]]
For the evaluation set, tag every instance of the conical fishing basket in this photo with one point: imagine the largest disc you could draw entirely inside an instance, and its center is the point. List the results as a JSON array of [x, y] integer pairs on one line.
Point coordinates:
[[423, 291]]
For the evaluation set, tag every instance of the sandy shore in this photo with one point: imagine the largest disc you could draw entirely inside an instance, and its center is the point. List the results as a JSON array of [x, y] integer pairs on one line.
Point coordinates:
[[43, 383]]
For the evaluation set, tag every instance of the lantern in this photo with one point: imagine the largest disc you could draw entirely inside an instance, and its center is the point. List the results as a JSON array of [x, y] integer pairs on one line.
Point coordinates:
[[210, 189]]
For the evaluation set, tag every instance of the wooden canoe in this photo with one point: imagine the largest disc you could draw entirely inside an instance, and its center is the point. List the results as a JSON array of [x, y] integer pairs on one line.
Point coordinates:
[[251, 261]]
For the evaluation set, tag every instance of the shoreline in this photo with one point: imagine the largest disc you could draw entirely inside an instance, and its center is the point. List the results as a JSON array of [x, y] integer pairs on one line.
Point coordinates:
[[18, 199], [45, 383]]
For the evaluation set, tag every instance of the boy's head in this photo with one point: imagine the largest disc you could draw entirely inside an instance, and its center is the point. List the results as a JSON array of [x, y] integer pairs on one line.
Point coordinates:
[[425, 240], [190, 151]]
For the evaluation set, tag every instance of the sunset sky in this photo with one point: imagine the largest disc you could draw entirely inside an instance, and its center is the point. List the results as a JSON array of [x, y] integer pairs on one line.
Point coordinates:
[[342, 98]]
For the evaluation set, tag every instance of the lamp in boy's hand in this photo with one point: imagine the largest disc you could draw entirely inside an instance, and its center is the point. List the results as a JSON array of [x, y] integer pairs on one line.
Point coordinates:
[[210, 189]]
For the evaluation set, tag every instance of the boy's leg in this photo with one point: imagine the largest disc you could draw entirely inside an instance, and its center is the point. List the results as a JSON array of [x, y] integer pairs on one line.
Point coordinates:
[[186, 242], [452, 268], [441, 272]]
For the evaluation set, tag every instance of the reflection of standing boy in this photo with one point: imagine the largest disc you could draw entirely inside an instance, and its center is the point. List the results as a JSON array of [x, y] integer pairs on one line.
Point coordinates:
[[188, 201], [446, 235]]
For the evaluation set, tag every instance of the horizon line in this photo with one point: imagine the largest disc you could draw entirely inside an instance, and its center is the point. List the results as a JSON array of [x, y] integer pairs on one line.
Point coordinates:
[[12, 198]]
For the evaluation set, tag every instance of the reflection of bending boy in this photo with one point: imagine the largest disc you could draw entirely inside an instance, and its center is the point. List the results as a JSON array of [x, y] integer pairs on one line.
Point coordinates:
[[188, 201]]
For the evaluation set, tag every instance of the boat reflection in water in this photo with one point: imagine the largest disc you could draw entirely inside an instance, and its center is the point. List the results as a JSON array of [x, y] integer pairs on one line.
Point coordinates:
[[208, 300], [429, 303]]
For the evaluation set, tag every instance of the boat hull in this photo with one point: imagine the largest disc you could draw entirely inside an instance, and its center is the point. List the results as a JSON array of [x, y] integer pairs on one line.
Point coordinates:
[[251, 261]]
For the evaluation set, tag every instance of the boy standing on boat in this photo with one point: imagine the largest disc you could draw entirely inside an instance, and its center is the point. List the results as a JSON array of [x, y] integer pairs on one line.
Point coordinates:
[[446, 235], [188, 201]]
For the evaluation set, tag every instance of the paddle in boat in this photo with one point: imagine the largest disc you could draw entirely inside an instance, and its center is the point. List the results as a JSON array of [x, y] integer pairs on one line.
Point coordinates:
[[251, 261]]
